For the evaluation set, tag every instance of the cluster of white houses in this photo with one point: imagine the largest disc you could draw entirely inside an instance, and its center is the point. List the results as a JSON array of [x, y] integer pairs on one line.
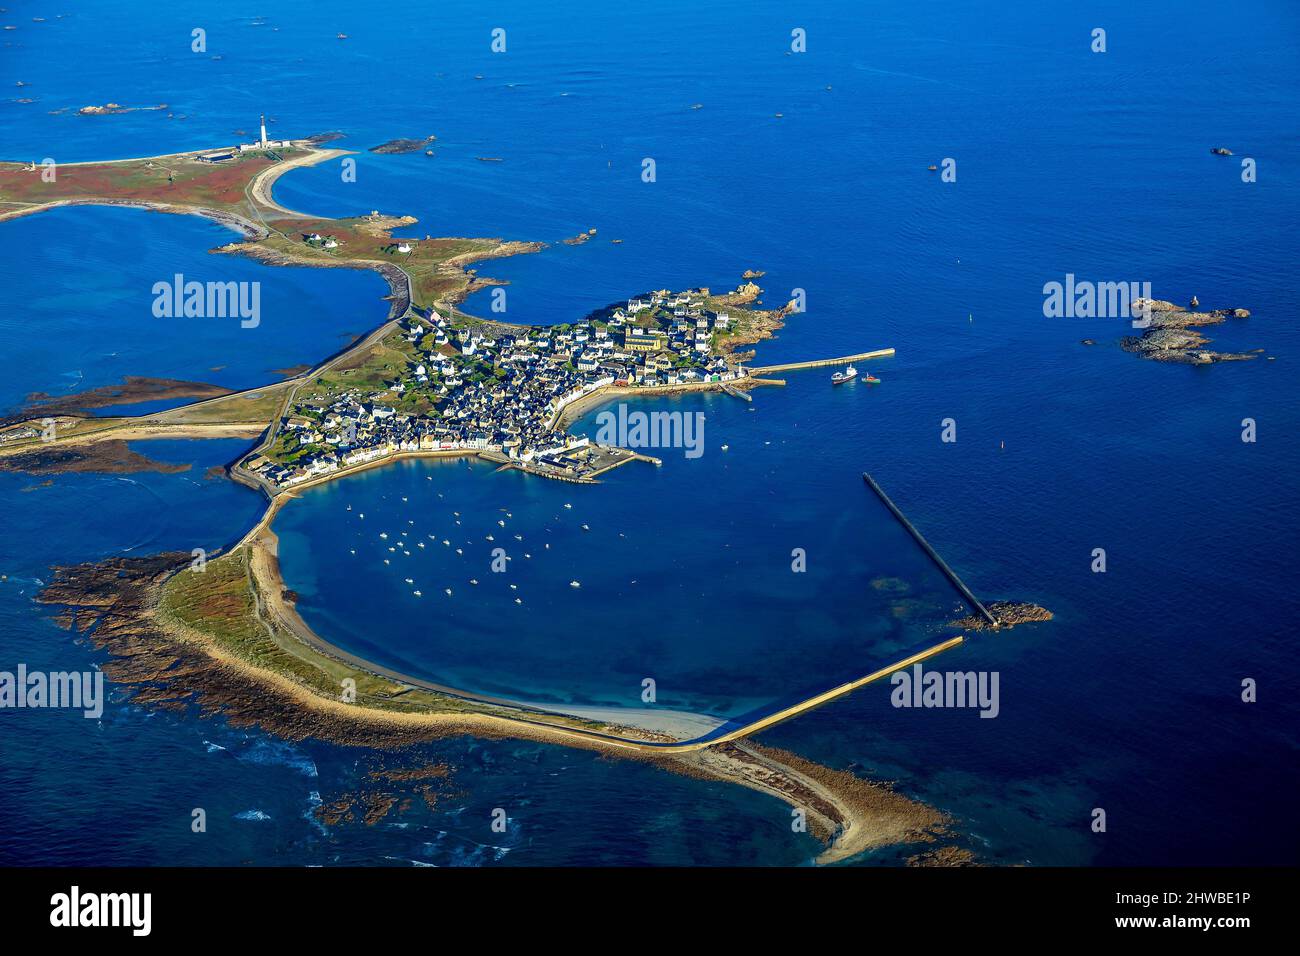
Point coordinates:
[[503, 391]]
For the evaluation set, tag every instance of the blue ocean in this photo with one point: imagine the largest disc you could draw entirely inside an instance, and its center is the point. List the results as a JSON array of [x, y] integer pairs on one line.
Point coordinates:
[[810, 166]]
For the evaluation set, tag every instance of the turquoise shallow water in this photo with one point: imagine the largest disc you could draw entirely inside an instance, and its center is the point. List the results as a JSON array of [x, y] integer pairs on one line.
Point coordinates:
[[1068, 162]]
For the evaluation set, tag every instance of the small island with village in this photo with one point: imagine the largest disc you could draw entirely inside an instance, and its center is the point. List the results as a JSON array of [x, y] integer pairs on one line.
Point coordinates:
[[431, 381], [447, 381]]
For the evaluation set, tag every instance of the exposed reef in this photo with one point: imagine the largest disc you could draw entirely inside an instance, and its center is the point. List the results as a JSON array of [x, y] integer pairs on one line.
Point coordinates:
[[1172, 335], [1007, 613], [109, 109], [110, 457], [134, 388], [403, 145]]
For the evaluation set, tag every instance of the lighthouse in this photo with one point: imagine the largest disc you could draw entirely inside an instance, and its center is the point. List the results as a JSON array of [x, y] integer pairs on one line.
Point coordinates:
[[263, 140]]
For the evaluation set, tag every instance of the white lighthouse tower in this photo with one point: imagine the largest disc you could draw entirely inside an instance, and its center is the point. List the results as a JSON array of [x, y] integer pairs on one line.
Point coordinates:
[[263, 141]]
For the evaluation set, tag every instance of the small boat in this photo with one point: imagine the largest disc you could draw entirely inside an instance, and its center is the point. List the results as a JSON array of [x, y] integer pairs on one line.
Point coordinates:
[[871, 379], [725, 447], [448, 590], [568, 505], [417, 594], [575, 584], [848, 375]]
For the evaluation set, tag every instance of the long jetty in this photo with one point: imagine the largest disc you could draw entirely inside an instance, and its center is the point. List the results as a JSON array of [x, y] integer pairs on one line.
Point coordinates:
[[951, 575], [818, 363]]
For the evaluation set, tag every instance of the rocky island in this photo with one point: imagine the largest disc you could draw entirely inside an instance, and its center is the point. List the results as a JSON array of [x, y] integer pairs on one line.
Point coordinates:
[[1172, 335], [403, 145]]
